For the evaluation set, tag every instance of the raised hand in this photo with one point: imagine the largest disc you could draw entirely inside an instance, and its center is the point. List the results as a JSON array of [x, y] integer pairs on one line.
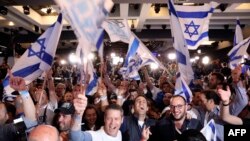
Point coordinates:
[[145, 133], [102, 90], [17, 83], [80, 104], [224, 95]]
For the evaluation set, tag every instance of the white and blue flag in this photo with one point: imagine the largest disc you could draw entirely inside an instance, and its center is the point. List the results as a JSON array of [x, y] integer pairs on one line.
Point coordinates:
[[194, 22], [117, 30], [209, 131], [38, 57], [181, 88], [86, 68], [86, 18], [182, 54], [238, 53], [238, 36], [138, 55]]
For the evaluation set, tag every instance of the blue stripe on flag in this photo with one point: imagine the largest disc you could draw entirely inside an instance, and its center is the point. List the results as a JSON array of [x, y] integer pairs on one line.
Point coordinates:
[[59, 20], [92, 84], [47, 58], [199, 15], [100, 40], [132, 50], [193, 43], [181, 14], [172, 9], [22, 73], [186, 93], [211, 125], [181, 58]]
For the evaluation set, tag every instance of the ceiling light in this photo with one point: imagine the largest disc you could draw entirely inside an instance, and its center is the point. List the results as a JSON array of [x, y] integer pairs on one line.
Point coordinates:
[[48, 10], [243, 6], [171, 56], [207, 42], [26, 10], [188, 4], [11, 23]]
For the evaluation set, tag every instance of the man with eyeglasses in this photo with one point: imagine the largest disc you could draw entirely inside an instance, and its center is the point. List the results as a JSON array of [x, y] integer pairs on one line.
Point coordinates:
[[170, 128]]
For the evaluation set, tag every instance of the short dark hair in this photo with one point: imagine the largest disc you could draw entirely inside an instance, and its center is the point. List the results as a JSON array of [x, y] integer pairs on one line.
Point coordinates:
[[219, 76], [210, 94], [184, 99], [113, 107]]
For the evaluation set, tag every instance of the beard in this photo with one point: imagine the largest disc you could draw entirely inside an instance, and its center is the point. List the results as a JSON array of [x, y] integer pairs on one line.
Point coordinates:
[[179, 117]]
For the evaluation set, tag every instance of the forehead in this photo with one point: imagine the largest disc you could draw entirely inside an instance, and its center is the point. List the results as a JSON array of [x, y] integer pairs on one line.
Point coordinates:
[[177, 100], [112, 113], [140, 98]]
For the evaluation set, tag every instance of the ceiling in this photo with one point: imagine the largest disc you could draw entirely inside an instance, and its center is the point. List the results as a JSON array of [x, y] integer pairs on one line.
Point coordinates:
[[151, 27]]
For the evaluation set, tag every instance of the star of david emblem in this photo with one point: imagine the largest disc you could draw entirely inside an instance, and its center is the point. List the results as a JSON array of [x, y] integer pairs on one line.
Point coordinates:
[[191, 29], [40, 53]]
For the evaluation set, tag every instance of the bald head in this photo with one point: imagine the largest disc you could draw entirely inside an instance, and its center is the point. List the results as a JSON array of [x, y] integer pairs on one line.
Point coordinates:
[[44, 133]]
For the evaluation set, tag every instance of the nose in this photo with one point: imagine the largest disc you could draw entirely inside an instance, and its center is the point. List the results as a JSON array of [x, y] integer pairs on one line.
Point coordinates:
[[60, 118]]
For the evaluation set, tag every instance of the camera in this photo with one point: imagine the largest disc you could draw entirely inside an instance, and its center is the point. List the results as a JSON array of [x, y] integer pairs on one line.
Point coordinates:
[[20, 128]]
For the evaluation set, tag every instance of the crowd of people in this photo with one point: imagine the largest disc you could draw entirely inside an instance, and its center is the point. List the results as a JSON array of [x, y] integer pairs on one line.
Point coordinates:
[[123, 110]]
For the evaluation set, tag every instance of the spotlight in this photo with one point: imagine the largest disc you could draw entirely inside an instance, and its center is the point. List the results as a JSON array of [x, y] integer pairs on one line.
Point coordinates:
[[164, 26], [26, 10], [226, 26], [113, 9], [223, 7], [148, 26], [49, 10], [157, 8], [132, 25], [3, 10], [36, 28], [136, 6], [68, 27]]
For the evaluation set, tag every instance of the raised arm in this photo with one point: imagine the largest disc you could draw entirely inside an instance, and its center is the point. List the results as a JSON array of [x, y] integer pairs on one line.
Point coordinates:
[[51, 86], [225, 114], [18, 84]]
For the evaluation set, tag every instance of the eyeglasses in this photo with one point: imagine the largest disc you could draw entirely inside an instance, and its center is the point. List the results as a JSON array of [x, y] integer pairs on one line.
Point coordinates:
[[177, 106]]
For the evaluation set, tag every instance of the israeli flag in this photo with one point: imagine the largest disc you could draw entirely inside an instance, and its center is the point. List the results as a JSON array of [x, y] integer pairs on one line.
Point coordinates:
[[137, 56], [117, 30], [194, 22], [86, 18], [86, 67], [209, 131], [182, 54], [38, 57], [181, 88], [237, 53], [238, 36]]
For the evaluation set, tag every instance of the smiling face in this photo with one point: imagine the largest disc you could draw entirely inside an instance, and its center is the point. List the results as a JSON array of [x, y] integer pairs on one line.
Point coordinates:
[[90, 116], [178, 108], [112, 122], [140, 105]]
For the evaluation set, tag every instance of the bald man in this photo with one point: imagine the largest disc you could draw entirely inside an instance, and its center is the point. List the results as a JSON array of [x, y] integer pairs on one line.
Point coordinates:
[[44, 133]]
